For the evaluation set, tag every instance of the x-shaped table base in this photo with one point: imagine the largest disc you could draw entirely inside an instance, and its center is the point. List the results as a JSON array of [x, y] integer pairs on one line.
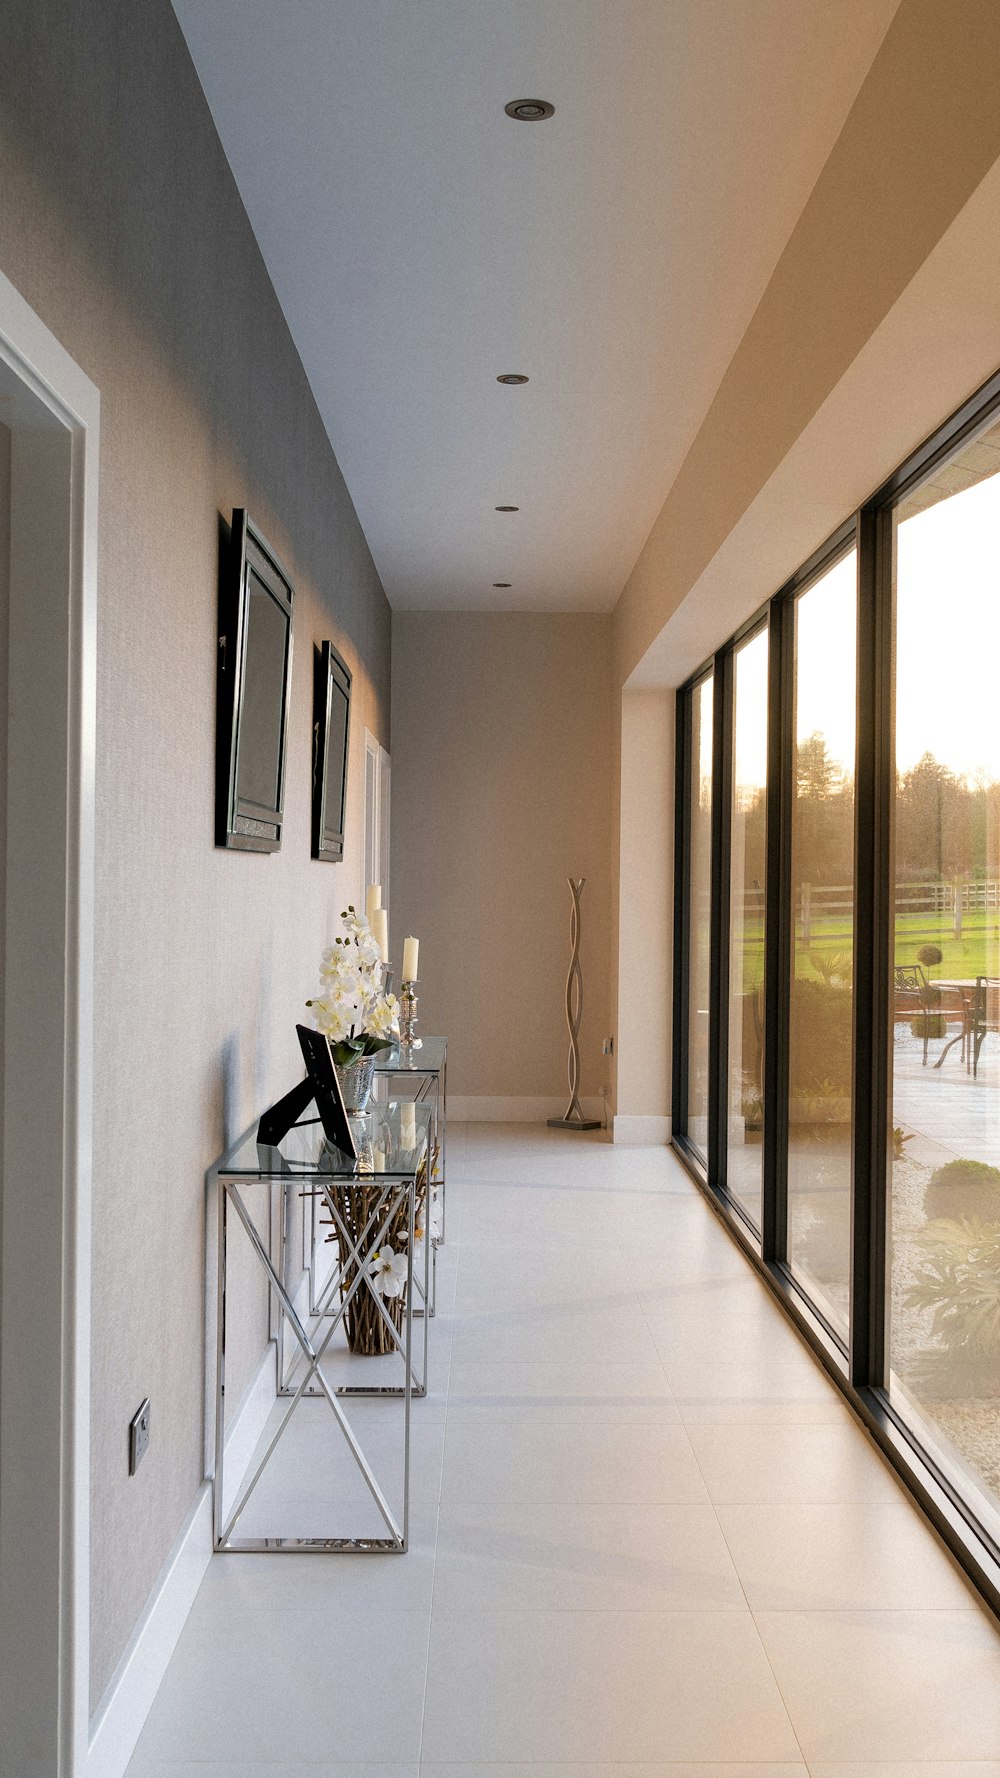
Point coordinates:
[[356, 1251]]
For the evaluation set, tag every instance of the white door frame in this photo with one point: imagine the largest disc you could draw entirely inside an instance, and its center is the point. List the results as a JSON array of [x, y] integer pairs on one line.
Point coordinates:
[[377, 780], [48, 1075]]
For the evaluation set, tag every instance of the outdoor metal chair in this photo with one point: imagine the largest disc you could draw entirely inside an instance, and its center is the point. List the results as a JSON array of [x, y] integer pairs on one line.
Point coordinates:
[[917, 998], [985, 1015]]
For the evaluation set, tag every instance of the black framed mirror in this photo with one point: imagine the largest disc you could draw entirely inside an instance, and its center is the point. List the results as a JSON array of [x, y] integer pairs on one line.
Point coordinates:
[[331, 732], [254, 685]]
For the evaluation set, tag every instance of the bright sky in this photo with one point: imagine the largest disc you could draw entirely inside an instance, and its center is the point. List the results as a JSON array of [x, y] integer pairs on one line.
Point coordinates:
[[947, 648]]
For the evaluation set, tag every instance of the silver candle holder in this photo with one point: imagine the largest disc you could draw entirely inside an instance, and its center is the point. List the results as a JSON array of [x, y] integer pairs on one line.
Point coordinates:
[[408, 1017]]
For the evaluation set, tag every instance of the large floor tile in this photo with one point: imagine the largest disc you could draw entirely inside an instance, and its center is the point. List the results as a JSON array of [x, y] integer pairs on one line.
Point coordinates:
[[788, 1387], [721, 1313], [639, 1686], [313, 1459], [832, 1558], [908, 1769], [511, 1455], [614, 1769], [534, 1276], [888, 1685], [271, 1690], [582, 1330], [788, 1464], [685, 1242], [583, 1558], [516, 1215], [256, 1768], [336, 1584], [935, 1768], [638, 1389]]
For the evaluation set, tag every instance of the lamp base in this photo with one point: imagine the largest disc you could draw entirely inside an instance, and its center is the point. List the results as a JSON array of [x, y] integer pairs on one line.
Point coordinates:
[[572, 1123]]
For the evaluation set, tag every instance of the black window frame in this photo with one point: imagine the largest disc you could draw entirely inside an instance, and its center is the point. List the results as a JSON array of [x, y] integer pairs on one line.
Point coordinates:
[[857, 1366]]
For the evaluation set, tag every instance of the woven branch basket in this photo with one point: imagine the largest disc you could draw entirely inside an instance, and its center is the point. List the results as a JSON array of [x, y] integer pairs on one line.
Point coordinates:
[[367, 1333]]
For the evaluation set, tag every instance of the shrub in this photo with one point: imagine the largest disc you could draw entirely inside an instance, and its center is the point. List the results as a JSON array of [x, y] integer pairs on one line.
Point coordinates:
[[960, 1282], [928, 1024], [963, 1188], [929, 955], [821, 1048]]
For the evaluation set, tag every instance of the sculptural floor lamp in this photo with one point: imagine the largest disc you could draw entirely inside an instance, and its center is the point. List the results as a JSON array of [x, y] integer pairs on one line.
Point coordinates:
[[574, 1118]]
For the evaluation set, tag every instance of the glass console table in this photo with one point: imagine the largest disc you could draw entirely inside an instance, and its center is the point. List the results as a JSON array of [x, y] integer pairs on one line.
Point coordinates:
[[371, 1204], [426, 1066]]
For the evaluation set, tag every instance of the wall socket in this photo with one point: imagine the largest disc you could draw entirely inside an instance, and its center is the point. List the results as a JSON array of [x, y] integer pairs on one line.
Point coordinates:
[[138, 1437]]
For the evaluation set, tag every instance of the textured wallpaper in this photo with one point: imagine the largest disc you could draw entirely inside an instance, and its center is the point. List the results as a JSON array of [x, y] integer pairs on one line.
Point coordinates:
[[122, 226]]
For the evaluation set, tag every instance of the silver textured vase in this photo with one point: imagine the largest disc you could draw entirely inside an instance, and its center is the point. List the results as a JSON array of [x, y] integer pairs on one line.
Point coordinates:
[[356, 1082]]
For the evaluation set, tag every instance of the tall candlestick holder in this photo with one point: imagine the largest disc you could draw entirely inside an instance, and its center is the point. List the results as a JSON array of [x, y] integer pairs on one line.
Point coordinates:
[[408, 1017]]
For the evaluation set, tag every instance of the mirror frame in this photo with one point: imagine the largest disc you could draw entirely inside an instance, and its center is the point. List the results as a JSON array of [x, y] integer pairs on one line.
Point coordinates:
[[330, 673], [240, 823]]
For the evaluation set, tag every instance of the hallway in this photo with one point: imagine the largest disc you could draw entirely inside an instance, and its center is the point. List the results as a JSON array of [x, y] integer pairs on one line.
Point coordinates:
[[647, 1538]]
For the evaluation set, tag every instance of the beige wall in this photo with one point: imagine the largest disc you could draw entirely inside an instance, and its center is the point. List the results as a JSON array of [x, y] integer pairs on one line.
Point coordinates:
[[921, 135], [501, 790], [122, 227], [642, 1099], [880, 318]]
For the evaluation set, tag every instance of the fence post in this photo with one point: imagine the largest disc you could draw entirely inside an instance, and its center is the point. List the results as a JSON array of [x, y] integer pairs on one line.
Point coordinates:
[[806, 913], [958, 907]]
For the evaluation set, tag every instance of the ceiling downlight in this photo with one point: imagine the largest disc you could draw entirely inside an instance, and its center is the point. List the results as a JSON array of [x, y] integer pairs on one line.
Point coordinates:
[[513, 378], [506, 509], [529, 110]]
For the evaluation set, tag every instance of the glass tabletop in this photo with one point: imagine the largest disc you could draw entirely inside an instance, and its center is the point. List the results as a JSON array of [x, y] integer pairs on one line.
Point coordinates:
[[429, 1058], [390, 1139]]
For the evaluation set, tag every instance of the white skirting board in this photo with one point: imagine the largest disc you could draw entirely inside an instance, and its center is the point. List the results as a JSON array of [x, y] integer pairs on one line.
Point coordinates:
[[485, 1109], [641, 1132], [119, 1719]]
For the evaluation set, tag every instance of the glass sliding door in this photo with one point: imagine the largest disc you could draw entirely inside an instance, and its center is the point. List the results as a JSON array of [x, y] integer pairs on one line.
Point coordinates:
[[748, 838], [821, 1004], [944, 1314], [698, 937]]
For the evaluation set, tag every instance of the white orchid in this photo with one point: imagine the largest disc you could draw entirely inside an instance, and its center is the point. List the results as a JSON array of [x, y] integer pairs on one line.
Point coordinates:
[[387, 1271], [353, 1010], [383, 1016]]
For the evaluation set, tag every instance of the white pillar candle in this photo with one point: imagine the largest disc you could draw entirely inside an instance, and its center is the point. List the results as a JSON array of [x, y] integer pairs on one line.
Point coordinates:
[[373, 899], [380, 927], [410, 947], [408, 1123]]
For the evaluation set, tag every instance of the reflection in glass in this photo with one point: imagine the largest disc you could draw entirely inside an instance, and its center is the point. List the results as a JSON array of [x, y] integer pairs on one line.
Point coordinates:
[[746, 941], [700, 909], [820, 1034], [944, 1318], [259, 762]]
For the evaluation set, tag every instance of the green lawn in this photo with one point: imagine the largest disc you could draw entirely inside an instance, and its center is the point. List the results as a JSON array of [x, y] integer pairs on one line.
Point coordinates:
[[977, 952]]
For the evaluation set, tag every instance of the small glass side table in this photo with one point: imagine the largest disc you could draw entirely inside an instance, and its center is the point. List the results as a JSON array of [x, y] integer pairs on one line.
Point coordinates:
[[367, 1199], [425, 1065]]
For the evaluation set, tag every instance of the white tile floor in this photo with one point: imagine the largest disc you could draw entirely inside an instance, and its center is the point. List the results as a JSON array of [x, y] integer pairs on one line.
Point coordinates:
[[649, 1540]]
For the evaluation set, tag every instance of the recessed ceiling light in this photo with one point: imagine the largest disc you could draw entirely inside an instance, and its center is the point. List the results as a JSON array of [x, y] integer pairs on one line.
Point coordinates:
[[529, 110], [506, 509], [511, 376], [501, 583]]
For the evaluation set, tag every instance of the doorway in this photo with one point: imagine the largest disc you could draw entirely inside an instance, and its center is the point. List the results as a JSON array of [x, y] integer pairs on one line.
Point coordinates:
[[49, 413]]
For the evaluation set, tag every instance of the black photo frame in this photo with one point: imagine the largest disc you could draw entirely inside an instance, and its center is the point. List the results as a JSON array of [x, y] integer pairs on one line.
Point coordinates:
[[331, 737], [254, 691], [322, 1076]]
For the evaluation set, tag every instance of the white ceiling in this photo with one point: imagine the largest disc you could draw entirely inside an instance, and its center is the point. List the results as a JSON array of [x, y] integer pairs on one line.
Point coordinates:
[[420, 242]]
